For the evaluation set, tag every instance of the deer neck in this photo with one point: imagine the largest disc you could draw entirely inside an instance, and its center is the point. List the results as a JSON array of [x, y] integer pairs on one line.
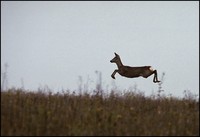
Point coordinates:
[[119, 64]]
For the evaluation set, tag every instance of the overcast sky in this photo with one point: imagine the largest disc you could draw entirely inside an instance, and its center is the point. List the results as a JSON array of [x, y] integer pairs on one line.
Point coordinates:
[[53, 43]]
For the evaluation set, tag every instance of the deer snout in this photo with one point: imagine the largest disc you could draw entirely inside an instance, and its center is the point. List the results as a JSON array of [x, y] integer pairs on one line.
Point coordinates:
[[111, 61]]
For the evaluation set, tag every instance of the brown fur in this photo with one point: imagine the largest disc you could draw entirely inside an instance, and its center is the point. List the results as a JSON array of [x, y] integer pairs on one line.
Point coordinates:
[[132, 72]]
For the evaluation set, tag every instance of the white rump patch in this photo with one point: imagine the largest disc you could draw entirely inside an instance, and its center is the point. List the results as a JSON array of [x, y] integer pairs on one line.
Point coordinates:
[[151, 68]]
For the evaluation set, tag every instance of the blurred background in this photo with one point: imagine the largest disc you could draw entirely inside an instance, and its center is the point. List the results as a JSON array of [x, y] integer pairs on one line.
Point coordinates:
[[69, 45]]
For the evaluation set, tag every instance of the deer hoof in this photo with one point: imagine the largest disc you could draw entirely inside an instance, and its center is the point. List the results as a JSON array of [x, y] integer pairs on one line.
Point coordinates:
[[112, 76], [156, 81]]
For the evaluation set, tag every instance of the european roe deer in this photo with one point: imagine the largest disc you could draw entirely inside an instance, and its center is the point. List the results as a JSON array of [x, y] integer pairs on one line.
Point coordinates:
[[132, 72]]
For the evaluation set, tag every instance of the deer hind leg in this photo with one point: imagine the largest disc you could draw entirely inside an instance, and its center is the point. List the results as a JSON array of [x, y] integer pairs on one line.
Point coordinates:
[[155, 79], [113, 74]]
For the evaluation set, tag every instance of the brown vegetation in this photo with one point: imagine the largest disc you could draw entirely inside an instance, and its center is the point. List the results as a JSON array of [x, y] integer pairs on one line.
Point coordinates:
[[40, 113]]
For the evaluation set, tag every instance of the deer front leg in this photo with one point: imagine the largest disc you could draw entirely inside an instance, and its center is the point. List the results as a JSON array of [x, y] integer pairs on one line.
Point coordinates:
[[113, 74]]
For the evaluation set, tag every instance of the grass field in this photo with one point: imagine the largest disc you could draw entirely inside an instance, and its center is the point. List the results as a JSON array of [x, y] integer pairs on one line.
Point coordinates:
[[130, 113]]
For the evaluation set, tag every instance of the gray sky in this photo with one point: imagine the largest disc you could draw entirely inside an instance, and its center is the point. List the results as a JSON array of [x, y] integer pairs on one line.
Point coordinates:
[[53, 43]]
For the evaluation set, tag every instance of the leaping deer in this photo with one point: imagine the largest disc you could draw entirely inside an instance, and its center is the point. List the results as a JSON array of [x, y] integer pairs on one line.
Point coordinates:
[[132, 72]]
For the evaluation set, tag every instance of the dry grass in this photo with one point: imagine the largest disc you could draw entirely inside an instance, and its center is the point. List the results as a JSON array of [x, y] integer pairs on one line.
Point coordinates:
[[37, 113]]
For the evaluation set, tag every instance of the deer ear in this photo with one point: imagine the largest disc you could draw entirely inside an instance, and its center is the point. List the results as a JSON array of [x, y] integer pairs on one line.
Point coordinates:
[[116, 54]]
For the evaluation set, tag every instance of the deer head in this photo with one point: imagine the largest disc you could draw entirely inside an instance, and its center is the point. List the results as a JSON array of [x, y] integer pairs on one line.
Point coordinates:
[[116, 59]]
